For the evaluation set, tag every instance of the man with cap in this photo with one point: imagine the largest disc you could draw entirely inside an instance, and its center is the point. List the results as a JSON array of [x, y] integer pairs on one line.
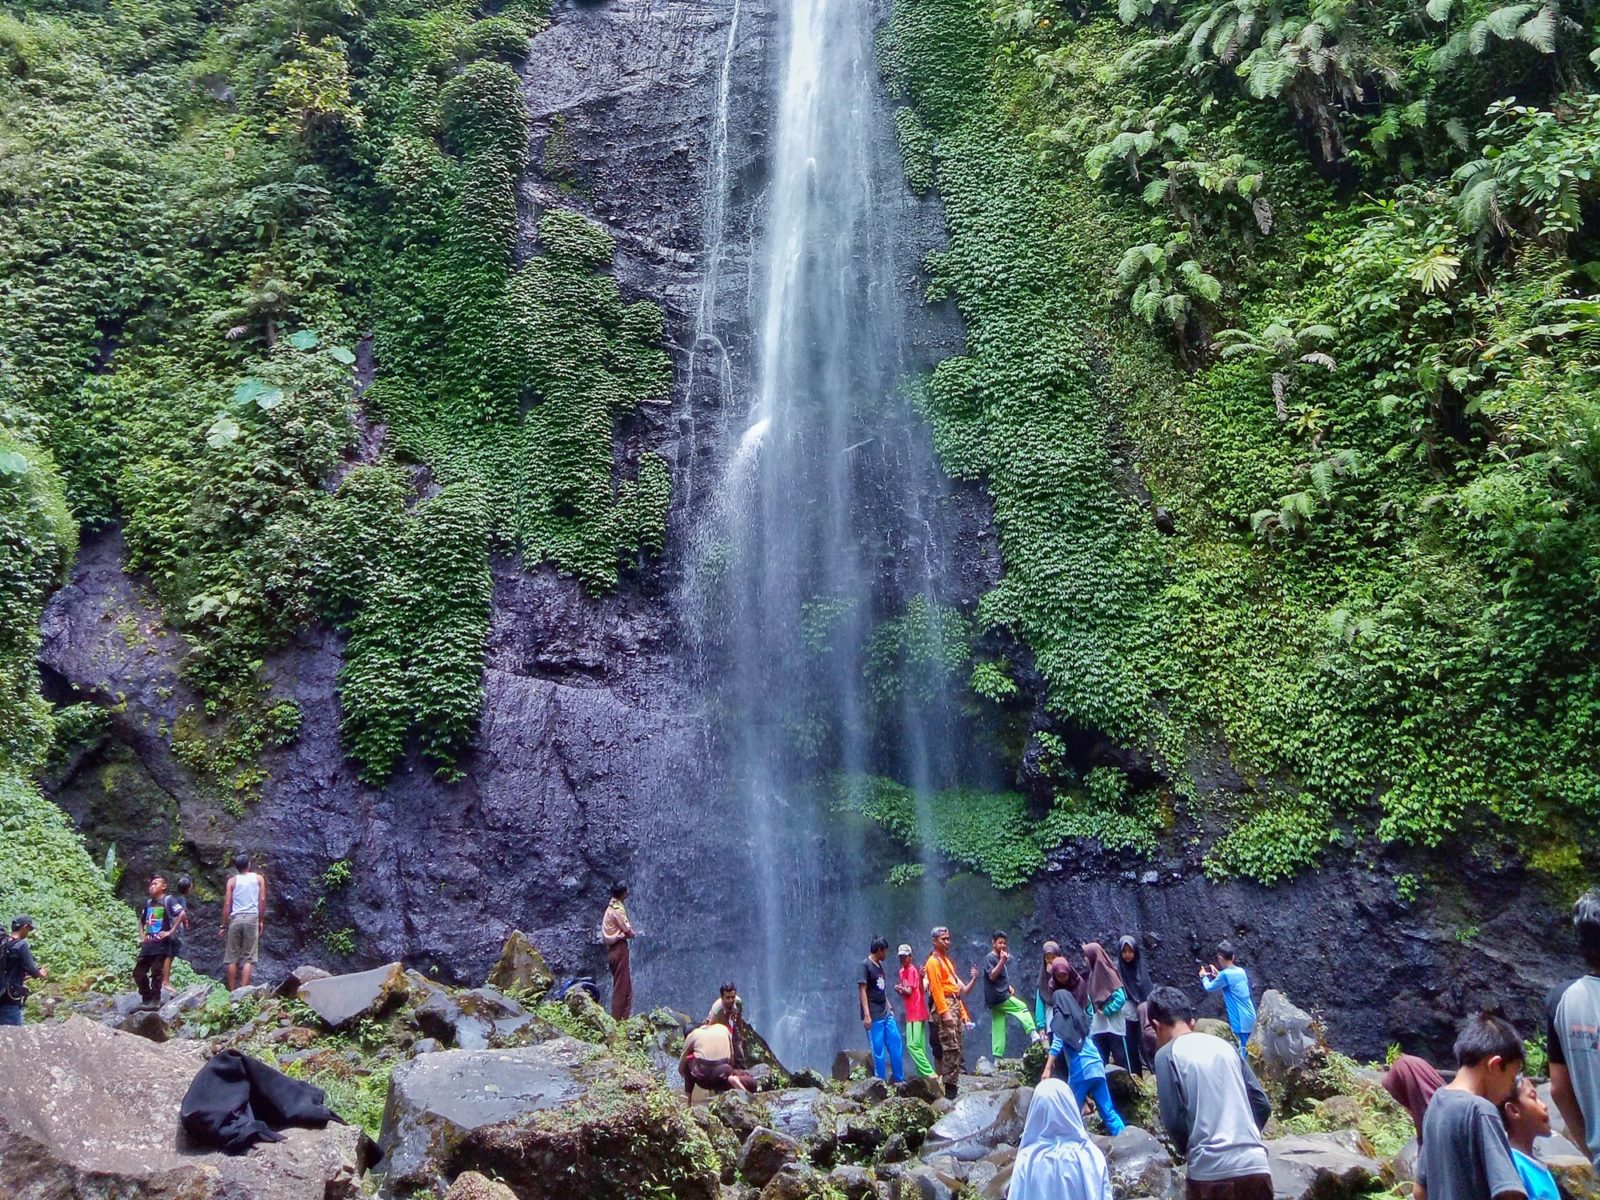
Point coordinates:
[[915, 999], [16, 968]]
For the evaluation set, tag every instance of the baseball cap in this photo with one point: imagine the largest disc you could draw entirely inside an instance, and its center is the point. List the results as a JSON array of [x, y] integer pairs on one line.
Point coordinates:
[[21, 921], [904, 949]]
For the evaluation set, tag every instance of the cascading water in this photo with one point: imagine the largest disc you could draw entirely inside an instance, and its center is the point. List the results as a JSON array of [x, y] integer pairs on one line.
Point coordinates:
[[816, 582]]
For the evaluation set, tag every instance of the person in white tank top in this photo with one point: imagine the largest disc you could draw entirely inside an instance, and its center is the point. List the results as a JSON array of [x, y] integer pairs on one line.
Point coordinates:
[[244, 916]]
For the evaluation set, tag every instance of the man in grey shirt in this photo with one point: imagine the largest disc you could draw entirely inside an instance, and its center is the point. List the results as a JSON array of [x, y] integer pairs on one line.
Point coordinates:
[[1465, 1152], [1572, 1020], [1211, 1103]]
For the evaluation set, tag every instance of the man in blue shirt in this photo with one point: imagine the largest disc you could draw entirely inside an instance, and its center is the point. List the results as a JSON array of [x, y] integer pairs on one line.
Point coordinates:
[[1235, 984]]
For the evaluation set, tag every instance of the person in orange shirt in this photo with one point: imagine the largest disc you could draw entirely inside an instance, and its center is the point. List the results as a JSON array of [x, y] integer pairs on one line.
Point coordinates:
[[945, 993]]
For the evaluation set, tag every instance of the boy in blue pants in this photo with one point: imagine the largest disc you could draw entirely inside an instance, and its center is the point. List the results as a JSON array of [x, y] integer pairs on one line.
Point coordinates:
[[876, 1017], [1235, 984]]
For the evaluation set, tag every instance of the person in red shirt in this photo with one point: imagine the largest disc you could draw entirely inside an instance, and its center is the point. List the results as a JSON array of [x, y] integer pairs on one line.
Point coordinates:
[[916, 1008]]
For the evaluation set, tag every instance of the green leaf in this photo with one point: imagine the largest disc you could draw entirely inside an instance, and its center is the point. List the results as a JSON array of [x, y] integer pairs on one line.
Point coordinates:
[[14, 464], [224, 431], [249, 390], [304, 339], [342, 354], [270, 399], [1438, 10]]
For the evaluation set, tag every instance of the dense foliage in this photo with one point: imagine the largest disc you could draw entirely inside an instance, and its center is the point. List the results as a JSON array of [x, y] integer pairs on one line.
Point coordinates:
[[202, 207], [1282, 367], [81, 926]]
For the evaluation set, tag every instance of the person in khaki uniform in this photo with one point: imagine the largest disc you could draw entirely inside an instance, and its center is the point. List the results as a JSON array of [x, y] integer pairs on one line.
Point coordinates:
[[244, 916]]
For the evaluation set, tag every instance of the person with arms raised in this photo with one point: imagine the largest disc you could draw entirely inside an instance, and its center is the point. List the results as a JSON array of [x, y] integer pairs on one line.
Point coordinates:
[[1228, 975], [1211, 1103], [1572, 1031], [1001, 997]]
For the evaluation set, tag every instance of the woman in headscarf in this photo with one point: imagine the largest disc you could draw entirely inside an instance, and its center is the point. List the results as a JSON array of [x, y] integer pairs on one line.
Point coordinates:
[[1107, 999], [1041, 993], [1136, 980], [1412, 1081], [1071, 1047], [1056, 1160]]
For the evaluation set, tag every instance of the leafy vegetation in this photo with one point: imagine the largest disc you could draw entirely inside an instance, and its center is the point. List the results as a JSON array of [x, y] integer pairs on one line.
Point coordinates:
[[204, 208], [1281, 371], [81, 928]]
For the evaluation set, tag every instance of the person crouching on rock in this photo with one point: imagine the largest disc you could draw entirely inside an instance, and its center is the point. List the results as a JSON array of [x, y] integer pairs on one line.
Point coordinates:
[[1072, 1050], [155, 934], [707, 1061], [16, 968]]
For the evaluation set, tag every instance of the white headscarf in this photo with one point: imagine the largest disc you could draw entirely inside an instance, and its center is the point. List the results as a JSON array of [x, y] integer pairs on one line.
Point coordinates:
[[1056, 1160]]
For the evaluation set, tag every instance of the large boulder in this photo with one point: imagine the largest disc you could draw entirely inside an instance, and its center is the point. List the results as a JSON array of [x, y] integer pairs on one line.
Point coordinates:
[[470, 1185], [471, 1020], [1291, 1055], [1322, 1166], [342, 1000], [1141, 1166], [86, 1111], [521, 968], [802, 1113], [979, 1122], [554, 1120], [765, 1153]]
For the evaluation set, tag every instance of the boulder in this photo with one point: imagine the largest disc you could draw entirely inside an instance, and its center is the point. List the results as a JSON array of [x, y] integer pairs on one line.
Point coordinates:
[[521, 968], [847, 1063], [979, 1122], [189, 1000], [1575, 1175], [806, 1078], [740, 1112], [796, 1181], [471, 1020], [922, 1087], [1402, 1168], [470, 1185], [870, 1090], [1141, 1166], [585, 1010], [341, 1000], [999, 1184], [852, 1182], [290, 985], [145, 1023], [896, 1150], [86, 1111], [1285, 1036], [800, 1113], [249, 991], [561, 1111], [924, 1183], [1322, 1166], [765, 1153], [722, 1139]]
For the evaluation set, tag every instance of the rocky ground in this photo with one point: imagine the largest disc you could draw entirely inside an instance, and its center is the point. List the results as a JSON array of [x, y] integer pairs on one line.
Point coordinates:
[[499, 1093]]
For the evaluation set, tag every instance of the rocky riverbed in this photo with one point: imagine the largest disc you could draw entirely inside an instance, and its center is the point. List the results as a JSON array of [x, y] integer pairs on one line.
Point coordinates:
[[500, 1093]]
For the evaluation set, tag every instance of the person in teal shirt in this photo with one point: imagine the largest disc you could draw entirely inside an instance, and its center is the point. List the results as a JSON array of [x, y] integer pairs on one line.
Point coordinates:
[[1235, 984], [1526, 1118]]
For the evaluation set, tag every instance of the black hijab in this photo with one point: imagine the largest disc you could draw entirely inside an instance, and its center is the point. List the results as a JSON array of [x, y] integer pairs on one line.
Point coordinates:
[[1135, 975], [1069, 1021]]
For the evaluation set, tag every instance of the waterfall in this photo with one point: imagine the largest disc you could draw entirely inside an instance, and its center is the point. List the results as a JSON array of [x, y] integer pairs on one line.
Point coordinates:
[[819, 553]]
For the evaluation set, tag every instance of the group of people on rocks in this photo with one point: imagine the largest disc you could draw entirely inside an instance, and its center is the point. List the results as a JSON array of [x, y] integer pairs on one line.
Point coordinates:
[[164, 919], [1475, 1133]]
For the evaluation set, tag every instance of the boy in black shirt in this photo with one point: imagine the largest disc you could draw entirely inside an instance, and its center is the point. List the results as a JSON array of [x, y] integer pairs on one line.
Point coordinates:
[[155, 930], [877, 1018]]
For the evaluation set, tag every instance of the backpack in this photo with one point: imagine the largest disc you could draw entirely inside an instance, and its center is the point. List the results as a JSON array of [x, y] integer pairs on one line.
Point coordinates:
[[12, 988]]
